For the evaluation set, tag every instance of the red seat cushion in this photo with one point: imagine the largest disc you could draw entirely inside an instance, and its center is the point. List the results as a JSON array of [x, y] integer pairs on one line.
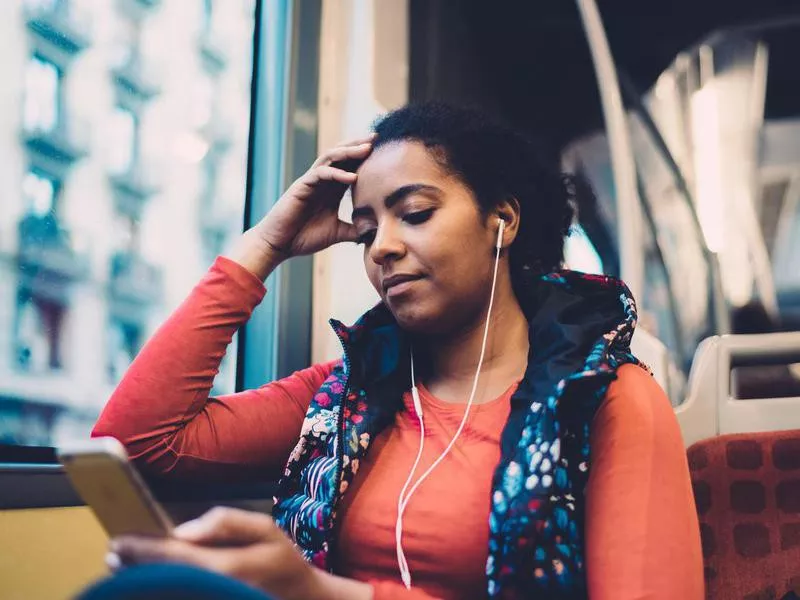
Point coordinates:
[[747, 492]]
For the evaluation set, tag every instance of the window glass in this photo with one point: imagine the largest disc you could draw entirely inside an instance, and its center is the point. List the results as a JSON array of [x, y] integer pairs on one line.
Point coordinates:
[[124, 147], [122, 132], [39, 192], [580, 253], [778, 201], [123, 44], [42, 82]]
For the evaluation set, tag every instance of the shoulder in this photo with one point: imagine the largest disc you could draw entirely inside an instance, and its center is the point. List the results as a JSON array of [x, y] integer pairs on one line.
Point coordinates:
[[635, 387], [636, 408]]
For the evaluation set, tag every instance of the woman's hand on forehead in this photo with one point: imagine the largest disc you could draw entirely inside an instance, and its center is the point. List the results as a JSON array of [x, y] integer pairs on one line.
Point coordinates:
[[305, 219]]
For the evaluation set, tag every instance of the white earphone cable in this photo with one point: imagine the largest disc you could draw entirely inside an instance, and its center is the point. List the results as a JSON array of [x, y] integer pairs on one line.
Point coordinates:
[[405, 573]]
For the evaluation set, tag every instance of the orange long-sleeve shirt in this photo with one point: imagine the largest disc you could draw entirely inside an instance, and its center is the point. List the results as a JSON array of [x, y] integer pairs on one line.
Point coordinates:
[[641, 529]]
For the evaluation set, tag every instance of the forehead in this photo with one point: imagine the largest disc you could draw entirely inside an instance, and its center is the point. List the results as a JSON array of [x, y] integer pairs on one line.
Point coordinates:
[[395, 165]]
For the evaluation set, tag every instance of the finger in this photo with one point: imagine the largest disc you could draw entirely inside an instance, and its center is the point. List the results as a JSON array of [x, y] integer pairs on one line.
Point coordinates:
[[113, 562], [343, 153], [362, 140], [228, 526], [134, 550], [346, 232], [329, 173], [348, 152]]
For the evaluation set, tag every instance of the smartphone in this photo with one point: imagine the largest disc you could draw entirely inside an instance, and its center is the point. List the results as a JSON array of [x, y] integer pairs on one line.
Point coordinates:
[[101, 473]]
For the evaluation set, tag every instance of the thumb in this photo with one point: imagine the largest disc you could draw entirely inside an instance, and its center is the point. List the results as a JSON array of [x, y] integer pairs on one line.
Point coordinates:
[[228, 526], [346, 232]]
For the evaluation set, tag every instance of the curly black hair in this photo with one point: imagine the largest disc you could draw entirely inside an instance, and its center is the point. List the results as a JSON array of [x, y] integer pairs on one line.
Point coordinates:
[[496, 163]]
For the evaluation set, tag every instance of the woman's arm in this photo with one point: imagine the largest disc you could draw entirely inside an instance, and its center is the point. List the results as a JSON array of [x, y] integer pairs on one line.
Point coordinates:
[[642, 533], [161, 409]]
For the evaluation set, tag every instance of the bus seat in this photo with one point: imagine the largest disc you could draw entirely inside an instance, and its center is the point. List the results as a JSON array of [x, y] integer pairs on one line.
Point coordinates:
[[747, 492], [711, 409], [652, 351]]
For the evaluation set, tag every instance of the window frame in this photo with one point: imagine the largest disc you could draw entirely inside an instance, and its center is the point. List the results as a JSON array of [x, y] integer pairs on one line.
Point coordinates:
[[277, 339]]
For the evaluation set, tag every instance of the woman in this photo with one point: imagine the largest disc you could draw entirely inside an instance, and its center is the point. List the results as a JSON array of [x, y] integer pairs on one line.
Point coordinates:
[[517, 376]]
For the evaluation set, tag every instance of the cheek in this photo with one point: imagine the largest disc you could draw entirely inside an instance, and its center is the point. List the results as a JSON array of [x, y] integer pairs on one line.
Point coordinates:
[[463, 259], [468, 274], [373, 271]]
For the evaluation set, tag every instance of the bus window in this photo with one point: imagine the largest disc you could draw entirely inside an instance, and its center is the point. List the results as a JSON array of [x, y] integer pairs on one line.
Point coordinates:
[[675, 263], [778, 195], [115, 197], [675, 249], [580, 253]]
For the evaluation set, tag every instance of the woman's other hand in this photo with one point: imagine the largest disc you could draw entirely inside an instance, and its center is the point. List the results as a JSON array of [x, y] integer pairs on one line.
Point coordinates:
[[244, 545], [305, 219]]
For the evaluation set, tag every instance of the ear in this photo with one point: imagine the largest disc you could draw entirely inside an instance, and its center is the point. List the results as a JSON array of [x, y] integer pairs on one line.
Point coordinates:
[[509, 211]]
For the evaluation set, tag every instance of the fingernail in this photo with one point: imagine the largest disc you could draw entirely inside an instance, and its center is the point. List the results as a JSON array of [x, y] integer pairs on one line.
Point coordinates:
[[189, 529], [113, 561]]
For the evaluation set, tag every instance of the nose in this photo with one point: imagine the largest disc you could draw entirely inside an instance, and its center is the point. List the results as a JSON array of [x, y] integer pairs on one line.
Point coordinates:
[[387, 245]]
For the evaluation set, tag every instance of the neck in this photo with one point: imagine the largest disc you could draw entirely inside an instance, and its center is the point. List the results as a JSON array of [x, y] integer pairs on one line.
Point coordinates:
[[452, 361]]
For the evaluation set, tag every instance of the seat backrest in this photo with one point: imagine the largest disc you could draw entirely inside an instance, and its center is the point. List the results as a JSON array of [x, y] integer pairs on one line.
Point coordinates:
[[652, 351], [747, 491], [710, 408]]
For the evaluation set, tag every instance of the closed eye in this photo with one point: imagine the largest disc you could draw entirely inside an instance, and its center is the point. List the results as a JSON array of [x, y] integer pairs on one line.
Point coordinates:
[[419, 217], [366, 238], [413, 218]]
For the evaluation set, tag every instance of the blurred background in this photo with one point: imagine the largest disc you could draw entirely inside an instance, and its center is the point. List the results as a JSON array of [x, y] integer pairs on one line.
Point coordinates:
[[138, 137]]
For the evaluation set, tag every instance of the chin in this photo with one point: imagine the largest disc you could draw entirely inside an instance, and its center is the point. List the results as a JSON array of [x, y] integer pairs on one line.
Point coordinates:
[[420, 319]]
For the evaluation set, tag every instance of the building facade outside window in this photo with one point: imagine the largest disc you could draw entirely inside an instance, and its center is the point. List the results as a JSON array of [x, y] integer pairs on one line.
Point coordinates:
[[122, 131], [42, 95], [113, 184]]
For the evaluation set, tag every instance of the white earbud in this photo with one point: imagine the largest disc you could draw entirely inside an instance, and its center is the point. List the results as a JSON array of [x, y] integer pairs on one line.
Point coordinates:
[[415, 391], [501, 228], [406, 493]]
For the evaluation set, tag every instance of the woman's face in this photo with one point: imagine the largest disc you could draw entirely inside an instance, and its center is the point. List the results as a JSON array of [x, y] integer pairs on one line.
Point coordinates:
[[428, 250]]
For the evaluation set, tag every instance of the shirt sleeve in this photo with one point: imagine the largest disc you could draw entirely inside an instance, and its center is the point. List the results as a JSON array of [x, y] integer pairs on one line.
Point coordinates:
[[162, 412], [642, 532]]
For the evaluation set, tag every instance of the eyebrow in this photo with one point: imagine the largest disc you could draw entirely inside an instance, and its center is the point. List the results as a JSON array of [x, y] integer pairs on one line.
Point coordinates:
[[397, 195]]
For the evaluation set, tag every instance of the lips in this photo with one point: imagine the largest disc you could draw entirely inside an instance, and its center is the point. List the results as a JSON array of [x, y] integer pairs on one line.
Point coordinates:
[[396, 280]]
